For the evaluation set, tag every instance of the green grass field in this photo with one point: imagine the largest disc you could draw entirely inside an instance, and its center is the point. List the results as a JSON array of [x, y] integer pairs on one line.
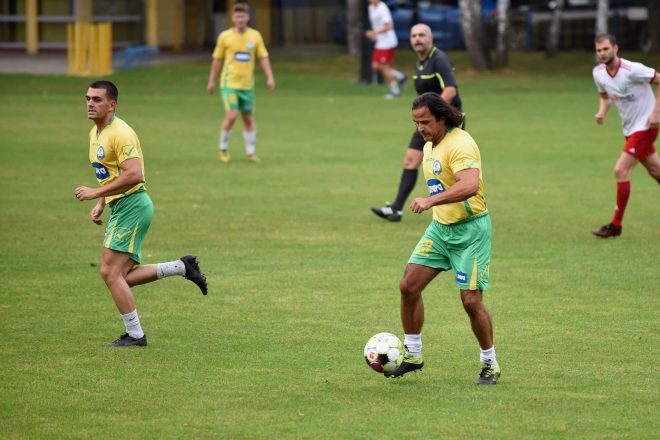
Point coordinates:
[[301, 273]]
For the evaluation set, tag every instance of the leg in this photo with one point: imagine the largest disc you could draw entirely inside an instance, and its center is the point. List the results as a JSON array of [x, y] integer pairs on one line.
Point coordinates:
[[142, 274], [482, 325], [230, 119], [415, 279], [622, 170], [652, 165], [115, 267], [411, 162]]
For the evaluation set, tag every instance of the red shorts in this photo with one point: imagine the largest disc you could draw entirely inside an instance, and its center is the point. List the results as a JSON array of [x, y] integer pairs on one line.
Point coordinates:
[[383, 56], [640, 143]]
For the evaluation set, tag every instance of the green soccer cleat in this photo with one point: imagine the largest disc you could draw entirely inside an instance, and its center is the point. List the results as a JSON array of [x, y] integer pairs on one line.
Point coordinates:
[[410, 363], [489, 374]]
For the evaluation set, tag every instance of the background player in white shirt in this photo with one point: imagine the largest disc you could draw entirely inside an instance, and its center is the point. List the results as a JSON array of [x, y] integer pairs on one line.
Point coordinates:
[[628, 85], [385, 42]]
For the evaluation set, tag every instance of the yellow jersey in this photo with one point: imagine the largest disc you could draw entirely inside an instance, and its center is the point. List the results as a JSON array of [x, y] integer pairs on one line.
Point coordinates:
[[239, 52], [108, 149], [457, 151]]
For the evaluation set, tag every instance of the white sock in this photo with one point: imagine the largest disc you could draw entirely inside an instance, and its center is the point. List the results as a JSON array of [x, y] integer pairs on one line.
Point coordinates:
[[413, 344], [224, 139], [394, 88], [488, 356], [132, 324], [250, 141], [397, 75], [172, 268]]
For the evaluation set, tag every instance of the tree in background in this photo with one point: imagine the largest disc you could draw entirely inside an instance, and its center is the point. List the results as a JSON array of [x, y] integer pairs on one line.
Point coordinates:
[[602, 15], [474, 35], [654, 25], [503, 33], [552, 44]]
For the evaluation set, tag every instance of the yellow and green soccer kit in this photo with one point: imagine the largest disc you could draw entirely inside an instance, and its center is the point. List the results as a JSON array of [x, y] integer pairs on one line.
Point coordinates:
[[459, 237], [132, 210], [239, 50]]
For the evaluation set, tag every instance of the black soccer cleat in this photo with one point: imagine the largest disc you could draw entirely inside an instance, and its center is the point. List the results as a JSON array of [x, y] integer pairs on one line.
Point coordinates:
[[127, 341], [410, 363], [489, 374], [194, 274], [388, 213], [607, 231]]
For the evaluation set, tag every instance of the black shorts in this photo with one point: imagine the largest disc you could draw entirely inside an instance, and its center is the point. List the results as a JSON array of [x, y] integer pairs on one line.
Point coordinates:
[[417, 141]]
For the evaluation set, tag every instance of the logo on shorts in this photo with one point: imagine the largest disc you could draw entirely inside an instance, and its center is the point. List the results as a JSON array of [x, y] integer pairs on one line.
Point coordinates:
[[437, 167], [435, 186], [461, 277], [242, 57], [102, 172], [100, 153]]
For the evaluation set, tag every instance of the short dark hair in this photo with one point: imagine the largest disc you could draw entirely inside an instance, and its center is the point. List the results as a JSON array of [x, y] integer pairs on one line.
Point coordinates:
[[439, 108], [605, 36], [110, 89], [241, 7]]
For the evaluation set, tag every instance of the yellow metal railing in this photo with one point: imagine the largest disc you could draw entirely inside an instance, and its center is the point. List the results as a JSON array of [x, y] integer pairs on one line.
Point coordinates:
[[89, 49]]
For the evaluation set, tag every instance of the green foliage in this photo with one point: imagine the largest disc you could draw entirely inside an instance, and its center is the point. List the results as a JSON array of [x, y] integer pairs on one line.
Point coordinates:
[[301, 274]]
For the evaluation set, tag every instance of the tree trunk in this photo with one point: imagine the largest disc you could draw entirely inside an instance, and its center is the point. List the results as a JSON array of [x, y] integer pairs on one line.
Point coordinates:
[[354, 26], [602, 16], [503, 33], [653, 25], [552, 44], [473, 33]]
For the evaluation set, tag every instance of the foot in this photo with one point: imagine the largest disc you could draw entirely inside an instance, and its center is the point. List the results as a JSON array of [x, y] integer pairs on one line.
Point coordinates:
[[390, 95], [489, 374], [193, 273], [253, 158], [388, 213], [402, 82], [410, 363], [223, 156], [127, 341], [607, 231]]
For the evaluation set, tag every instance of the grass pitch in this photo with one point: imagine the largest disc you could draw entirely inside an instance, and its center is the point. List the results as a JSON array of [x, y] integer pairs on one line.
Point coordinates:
[[301, 273]]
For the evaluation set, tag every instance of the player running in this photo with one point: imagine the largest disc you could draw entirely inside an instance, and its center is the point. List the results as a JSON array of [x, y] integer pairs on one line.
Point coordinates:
[[116, 156], [628, 85], [239, 47]]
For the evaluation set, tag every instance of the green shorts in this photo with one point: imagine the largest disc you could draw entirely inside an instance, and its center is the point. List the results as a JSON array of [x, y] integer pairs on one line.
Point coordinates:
[[463, 247], [236, 99], [129, 222]]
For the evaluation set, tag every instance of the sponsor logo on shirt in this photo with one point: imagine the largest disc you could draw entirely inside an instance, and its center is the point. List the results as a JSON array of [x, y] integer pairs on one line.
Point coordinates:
[[100, 153], [242, 57], [461, 277], [435, 186], [250, 45], [437, 167], [102, 172]]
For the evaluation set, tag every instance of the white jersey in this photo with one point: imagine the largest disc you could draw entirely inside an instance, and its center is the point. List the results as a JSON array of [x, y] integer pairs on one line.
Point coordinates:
[[378, 16], [630, 91]]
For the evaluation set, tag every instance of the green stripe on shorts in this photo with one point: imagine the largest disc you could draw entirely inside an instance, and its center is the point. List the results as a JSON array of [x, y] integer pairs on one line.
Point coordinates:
[[128, 225]]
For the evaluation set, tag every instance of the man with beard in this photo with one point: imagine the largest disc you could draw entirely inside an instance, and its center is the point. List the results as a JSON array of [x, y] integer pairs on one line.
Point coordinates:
[[628, 85]]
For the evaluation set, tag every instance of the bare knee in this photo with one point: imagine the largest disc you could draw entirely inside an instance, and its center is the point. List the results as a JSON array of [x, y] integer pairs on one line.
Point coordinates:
[[472, 302], [408, 289]]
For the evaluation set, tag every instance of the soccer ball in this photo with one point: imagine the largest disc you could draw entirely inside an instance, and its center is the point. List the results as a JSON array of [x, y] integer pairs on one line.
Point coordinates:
[[384, 352]]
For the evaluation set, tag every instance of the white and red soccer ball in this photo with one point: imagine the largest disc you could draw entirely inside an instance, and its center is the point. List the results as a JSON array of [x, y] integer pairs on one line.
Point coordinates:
[[384, 352]]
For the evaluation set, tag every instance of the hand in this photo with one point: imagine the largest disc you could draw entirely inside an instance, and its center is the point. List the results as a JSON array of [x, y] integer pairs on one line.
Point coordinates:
[[420, 204], [600, 118], [371, 35], [654, 120], [211, 87], [271, 84], [85, 193], [95, 214]]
